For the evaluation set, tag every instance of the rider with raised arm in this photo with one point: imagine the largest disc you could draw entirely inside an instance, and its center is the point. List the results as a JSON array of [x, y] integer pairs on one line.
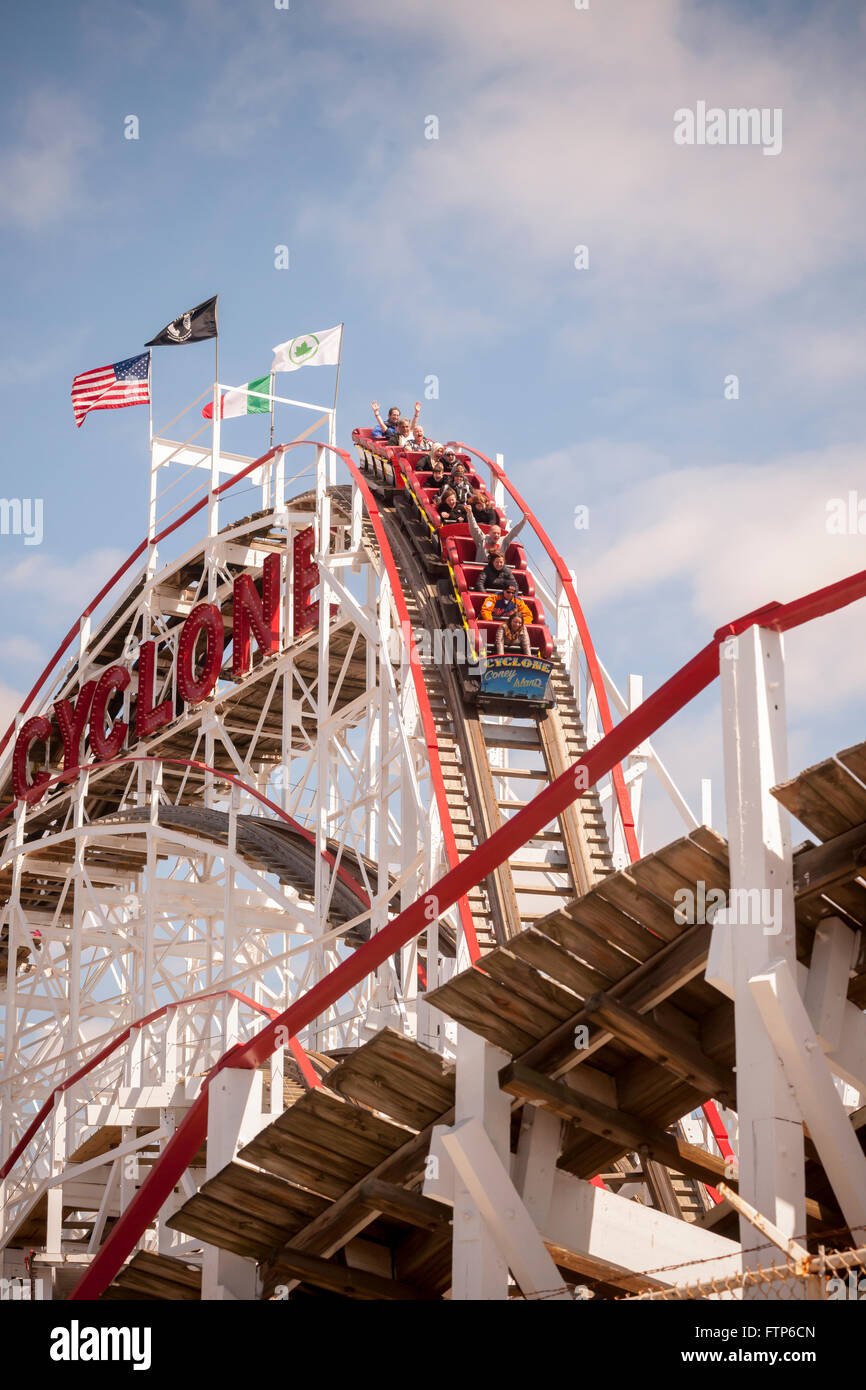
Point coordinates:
[[395, 415], [494, 538]]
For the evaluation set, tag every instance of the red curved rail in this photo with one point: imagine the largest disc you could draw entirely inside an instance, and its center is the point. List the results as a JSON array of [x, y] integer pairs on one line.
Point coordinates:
[[45, 1110], [720, 1134], [633, 730], [623, 800]]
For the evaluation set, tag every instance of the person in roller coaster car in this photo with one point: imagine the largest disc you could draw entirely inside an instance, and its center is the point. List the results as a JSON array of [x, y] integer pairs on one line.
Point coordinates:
[[494, 539], [401, 435], [495, 574], [438, 473], [512, 635], [512, 614], [420, 440], [449, 458], [457, 481], [395, 419], [431, 459], [482, 511], [449, 506]]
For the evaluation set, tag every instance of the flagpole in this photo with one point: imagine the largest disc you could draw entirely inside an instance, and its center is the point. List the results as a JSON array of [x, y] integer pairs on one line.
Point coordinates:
[[213, 501], [332, 435], [273, 384], [151, 490]]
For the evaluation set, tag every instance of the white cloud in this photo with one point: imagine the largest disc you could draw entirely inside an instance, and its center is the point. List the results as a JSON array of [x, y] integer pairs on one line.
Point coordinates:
[[724, 540], [68, 588], [10, 703], [818, 355], [20, 651], [42, 170], [558, 129], [737, 534]]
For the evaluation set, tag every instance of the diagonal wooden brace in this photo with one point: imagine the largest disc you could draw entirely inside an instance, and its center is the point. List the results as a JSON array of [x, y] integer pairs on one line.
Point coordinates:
[[483, 1174], [808, 1072]]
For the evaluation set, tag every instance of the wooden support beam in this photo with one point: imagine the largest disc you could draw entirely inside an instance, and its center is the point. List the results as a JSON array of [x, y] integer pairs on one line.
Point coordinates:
[[771, 1159], [651, 983], [482, 1172], [346, 1217], [409, 1207], [792, 1248], [336, 1278], [658, 1180], [820, 866], [627, 1130], [827, 988], [808, 1074], [661, 1045], [605, 1236], [593, 1267]]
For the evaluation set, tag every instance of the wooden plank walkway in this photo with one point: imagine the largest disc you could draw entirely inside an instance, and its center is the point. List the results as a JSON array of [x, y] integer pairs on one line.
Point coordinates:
[[342, 1159], [829, 799], [618, 964], [156, 1278]]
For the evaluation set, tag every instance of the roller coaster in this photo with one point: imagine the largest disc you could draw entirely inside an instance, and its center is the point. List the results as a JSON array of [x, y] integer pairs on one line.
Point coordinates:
[[332, 961]]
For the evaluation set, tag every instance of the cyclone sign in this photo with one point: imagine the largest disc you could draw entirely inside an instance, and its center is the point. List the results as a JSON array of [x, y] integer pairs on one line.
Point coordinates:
[[521, 677]]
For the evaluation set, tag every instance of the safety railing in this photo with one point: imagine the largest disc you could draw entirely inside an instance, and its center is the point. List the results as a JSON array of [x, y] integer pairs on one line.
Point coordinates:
[[60, 1123]]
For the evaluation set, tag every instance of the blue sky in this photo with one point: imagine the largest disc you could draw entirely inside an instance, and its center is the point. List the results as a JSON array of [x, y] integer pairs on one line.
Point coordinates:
[[455, 257]]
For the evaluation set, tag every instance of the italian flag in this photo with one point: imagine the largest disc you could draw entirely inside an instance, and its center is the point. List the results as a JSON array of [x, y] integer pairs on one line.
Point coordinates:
[[238, 401]]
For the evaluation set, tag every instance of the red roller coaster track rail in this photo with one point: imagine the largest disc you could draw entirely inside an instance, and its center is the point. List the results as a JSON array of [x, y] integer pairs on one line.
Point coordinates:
[[45, 1110], [310, 1076]]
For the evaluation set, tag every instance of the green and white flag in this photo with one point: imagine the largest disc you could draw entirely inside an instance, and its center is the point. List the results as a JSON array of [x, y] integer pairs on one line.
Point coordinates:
[[310, 350], [238, 401]]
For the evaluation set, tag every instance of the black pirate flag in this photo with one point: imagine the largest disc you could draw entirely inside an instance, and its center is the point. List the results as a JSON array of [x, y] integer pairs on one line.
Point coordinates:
[[192, 327]]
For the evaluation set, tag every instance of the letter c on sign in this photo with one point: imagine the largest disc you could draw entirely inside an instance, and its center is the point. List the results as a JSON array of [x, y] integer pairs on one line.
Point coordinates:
[[104, 745], [22, 788], [190, 689]]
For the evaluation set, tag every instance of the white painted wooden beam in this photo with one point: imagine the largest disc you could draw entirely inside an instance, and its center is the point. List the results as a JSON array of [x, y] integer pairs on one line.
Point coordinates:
[[234, 1118], [479, 1271], [612, 1231], [483, 1174], [771, 1158], [827, 981], [806, 1067], [847, 1055], [534, 1165]]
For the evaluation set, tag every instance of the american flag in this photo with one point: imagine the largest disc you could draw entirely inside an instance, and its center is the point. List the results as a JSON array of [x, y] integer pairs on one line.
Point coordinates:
[[112, 387]]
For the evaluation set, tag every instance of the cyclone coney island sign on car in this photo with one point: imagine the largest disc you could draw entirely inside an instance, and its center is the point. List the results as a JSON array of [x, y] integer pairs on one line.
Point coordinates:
[[93, 713]]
